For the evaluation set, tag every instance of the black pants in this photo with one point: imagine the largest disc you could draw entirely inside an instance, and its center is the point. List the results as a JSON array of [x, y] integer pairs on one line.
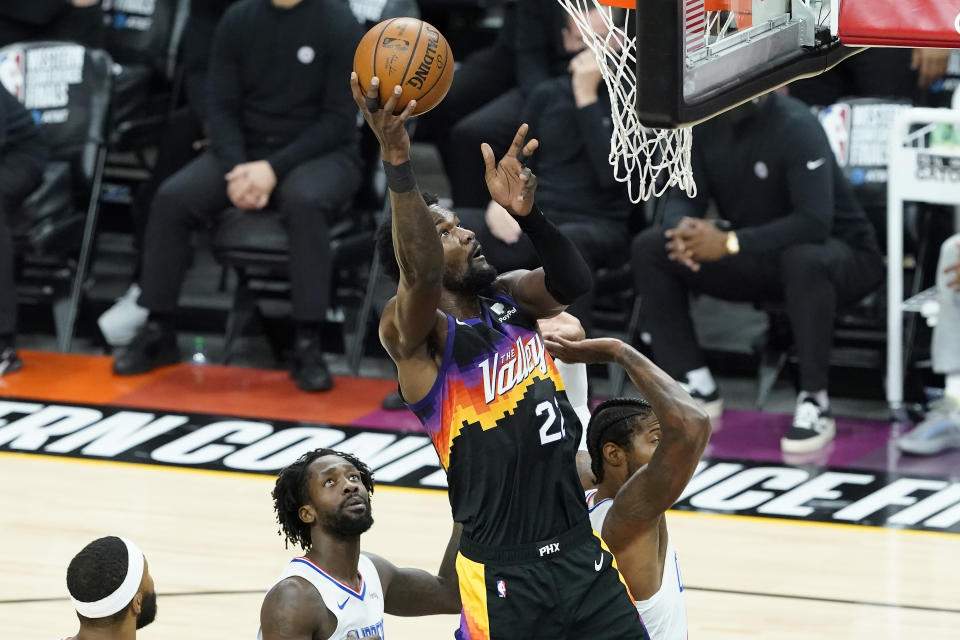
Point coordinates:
[[19, 176], [813, 279], [574, 593], [174, 150], [602, 243], [310, 197]]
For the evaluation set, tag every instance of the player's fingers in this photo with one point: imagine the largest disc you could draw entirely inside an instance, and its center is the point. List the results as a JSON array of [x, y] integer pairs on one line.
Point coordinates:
[[517, 143], [524, 156], [488, 160], [407, 111], [355, 89], [391, 104], [372, 100]]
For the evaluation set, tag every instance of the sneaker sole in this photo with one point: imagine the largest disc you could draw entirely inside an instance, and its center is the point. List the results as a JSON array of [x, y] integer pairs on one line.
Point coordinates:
[[810, 444]]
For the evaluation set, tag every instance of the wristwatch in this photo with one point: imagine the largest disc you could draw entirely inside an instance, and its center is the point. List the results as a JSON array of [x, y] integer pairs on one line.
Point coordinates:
[[732, 244]]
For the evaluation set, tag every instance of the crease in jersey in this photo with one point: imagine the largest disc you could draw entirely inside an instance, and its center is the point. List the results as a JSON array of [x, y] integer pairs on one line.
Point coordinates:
[[356, 594]]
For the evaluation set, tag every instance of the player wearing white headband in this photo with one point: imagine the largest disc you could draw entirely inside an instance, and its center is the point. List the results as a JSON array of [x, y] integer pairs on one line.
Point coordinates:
[[111, 589]]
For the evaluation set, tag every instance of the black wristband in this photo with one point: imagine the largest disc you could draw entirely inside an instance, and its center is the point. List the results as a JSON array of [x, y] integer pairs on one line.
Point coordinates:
[[400, 178], [533, 221]]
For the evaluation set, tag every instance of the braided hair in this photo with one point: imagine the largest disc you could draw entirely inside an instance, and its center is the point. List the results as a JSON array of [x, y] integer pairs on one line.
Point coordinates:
[[290, 493], [614, 421]]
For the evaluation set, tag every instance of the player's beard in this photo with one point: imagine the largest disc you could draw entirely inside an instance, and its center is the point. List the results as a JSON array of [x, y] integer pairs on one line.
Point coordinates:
[[475, 281], [148, 610], [346, 525]]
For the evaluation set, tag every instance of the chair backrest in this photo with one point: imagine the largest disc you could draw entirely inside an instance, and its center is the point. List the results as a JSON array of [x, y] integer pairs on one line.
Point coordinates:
[[859, 130], [66, 88], [145, 32]]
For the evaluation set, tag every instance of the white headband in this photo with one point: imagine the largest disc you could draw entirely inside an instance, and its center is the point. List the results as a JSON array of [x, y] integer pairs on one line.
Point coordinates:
[[123, 595]]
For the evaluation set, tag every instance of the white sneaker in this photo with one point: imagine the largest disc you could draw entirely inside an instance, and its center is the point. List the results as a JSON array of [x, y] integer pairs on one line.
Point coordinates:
[[939, 431], [712, 403], [813, 428], [119, 323]]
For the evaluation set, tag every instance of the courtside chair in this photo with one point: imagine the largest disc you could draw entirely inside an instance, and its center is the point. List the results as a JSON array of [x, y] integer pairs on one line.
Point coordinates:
[[145, 47], [66, 87], [254, 246]]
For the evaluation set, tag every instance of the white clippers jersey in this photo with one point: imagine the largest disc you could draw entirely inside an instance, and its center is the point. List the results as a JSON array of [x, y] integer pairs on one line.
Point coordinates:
[[359, 613], [665, 614]]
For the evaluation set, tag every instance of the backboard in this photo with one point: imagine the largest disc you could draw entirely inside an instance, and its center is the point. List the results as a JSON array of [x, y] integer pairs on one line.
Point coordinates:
[[697, 58]]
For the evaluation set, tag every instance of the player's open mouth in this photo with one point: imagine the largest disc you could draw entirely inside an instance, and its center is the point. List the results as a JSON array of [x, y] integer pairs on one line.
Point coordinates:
[[477, 252], [354, 503]]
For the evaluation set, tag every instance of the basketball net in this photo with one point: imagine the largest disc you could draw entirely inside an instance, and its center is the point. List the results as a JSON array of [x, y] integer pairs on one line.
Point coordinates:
[[649, 160]]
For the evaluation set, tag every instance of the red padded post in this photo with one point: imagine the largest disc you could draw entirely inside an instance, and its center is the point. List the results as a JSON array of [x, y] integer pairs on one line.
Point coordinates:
[[900, 23]]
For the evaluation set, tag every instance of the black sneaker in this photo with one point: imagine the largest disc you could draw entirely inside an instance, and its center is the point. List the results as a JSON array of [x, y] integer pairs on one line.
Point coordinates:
[[154, 346], [309, 370], [813, 428], [711, 403], [10, 361]]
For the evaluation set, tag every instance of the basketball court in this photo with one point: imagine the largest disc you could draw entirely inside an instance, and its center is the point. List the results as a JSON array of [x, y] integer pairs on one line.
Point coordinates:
[[860, 544]]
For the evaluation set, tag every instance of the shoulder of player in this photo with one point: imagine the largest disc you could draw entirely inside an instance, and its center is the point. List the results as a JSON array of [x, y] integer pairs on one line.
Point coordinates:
[[389, 333], [385, 568], [505, 282], [294, 606]]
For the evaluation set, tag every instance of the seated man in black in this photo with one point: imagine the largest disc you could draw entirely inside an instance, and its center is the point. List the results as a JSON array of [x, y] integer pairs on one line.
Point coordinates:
[[798, 235], [23, 156], [284, 135]]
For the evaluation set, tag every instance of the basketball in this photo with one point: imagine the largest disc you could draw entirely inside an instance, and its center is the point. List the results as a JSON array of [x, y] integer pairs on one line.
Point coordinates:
[[406, 52]]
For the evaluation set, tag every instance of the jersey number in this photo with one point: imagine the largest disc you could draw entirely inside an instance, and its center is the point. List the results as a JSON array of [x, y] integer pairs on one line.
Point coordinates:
[[546, 409]]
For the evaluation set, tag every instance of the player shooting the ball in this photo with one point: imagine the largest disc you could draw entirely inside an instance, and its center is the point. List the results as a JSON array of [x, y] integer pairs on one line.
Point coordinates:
[[472, 366]]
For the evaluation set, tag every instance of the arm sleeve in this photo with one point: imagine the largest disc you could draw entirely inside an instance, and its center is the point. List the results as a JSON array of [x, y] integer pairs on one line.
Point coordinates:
[[225, 94], [338, 121], [23, 150], [566, 274], [808, 165], [574, 378]]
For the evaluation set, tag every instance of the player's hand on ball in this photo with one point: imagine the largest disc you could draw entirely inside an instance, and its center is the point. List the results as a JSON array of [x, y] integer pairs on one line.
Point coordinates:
[[389, 129], [590, 351], [511, 185]]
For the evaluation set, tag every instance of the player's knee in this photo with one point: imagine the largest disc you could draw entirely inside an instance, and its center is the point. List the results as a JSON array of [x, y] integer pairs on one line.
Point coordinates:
[[804, 263]]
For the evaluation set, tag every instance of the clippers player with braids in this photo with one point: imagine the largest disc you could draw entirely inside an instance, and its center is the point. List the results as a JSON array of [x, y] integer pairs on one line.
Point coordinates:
[[642, 455], [473, 368]]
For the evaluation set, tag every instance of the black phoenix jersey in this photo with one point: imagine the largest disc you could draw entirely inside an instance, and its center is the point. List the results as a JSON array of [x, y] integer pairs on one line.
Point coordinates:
[[504, 430]]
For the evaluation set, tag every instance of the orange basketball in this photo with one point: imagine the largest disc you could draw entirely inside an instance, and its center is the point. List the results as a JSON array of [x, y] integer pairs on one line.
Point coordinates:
[[406, 52]]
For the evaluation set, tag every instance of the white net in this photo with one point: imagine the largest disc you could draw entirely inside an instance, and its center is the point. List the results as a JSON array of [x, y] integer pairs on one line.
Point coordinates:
[[648, 160]]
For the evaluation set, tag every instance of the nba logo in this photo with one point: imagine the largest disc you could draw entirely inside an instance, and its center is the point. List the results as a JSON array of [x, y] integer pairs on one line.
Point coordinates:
[[501, 588]]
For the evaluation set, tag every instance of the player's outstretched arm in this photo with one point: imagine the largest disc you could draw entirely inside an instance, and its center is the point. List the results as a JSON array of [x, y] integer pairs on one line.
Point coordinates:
[[293, 610], [415, 592], [410, 319], [685, 431], [565, 276]]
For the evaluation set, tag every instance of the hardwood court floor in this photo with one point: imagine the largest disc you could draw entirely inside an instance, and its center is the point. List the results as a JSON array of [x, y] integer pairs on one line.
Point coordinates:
[[210, 539]]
